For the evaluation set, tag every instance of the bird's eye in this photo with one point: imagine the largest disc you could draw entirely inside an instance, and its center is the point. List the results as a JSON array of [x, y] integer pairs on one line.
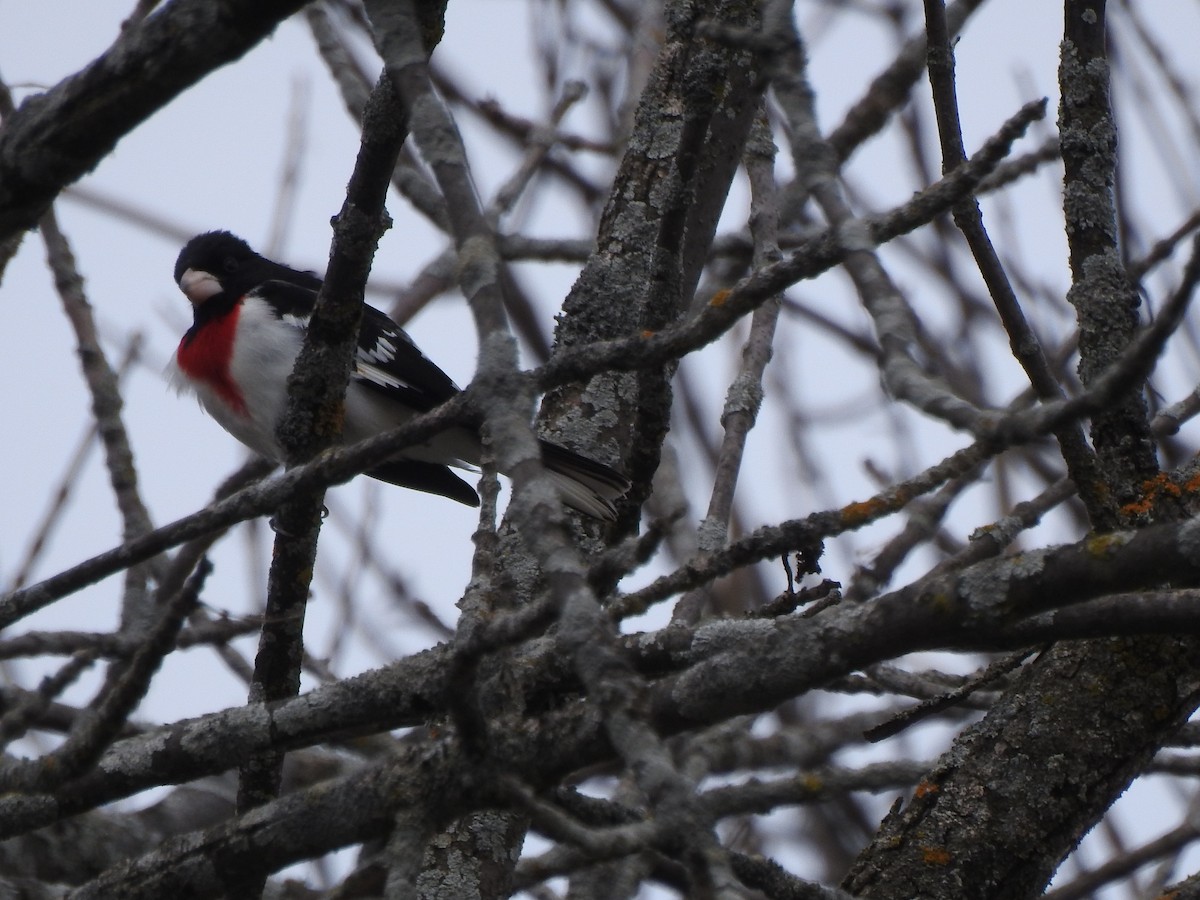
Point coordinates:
[[230, 264]]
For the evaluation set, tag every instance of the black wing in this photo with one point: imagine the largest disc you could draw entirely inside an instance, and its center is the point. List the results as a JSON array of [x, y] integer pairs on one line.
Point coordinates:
[[386, 361], [389, 362]]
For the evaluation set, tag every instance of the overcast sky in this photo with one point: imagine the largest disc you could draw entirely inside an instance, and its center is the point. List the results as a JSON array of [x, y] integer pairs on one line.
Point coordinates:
[[211, 160]]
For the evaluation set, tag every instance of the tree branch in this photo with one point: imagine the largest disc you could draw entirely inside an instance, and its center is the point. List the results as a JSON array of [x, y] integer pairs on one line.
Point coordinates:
[[78, 122]]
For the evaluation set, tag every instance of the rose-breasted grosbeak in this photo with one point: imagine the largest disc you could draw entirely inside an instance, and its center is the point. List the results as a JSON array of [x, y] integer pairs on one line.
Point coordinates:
[[250, 315]]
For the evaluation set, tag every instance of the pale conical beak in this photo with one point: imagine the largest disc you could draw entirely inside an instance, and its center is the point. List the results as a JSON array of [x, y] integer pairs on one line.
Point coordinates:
[[198, 286]]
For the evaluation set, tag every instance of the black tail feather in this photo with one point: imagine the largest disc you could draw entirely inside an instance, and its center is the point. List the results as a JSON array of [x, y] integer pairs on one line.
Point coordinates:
[[433, 478], [586, 485]]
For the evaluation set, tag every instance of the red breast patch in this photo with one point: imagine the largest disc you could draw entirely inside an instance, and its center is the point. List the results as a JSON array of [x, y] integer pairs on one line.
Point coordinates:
[[204, 356]]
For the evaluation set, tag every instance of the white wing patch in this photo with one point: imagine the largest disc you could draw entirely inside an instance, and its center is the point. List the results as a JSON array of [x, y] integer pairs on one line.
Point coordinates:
[[368, 372], [369, 359], [384, 351]]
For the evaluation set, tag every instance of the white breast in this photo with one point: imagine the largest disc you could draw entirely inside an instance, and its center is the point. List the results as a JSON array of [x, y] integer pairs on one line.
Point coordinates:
[[264, 352]]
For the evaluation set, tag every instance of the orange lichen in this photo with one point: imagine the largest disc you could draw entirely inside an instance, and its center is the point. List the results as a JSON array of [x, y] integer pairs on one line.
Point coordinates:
[[647, 334], [857, 513], [935, 856], [1138, 508], [925, 789], [720, 297], [1164, 486], [1155, 488]]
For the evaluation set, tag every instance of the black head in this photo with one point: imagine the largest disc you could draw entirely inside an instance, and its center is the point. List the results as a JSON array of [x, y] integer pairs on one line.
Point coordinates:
[[219, 262], [215, 252]]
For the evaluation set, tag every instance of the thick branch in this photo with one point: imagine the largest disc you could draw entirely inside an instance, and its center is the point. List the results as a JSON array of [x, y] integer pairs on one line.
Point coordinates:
[[55, 137]]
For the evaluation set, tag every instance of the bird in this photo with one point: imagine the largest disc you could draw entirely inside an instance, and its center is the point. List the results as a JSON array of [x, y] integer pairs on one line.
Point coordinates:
[[249, 318]]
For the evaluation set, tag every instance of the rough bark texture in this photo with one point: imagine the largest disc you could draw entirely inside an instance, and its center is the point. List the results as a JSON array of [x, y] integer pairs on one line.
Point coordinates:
[[528, 702], [691, 125], [1018, 791]]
